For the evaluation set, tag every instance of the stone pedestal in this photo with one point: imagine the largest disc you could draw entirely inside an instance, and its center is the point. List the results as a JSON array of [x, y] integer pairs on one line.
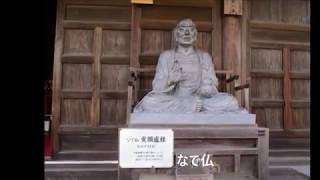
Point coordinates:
[[241, 149], [153, 119]]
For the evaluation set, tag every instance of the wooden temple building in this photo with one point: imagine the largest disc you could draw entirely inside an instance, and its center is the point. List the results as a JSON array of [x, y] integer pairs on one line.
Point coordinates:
[[266, 43]]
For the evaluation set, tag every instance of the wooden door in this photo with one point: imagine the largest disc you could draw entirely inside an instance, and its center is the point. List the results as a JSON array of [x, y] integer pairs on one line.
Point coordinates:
[[96, 41], [279, 65], [92, 53]]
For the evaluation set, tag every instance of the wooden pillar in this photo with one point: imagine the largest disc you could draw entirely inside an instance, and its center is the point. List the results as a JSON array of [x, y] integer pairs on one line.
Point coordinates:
[[231, 43], [287, 124], [263, 159], [56, 83], [232, 38], [135, 44], [95, 105]]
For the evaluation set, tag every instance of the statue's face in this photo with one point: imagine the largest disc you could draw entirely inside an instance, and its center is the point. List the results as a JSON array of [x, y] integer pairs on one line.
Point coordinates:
[[186, 32]]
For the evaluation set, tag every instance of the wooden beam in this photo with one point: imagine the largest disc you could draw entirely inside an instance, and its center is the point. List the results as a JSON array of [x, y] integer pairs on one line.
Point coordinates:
[[135, 43], [57, 71], [226, 151], [280, 35], [300, 103], [278, 26], [263, 162], [231, 42], [170, 24], [247, 99], [133, 69], [95, 105], [75, 94], [287, 89], [247, 15], [290, 133], [255, 102], [117, 60], [75, 24], [99, 2], [187, 3], [299, 75], [88, 130], [279, 44], [97, 13], [111, 94], [148, 59], [129, 103], [267, 74], [244, 75], [215, 35], [88, 155], [232, 46], [77, 59], [237, 162]]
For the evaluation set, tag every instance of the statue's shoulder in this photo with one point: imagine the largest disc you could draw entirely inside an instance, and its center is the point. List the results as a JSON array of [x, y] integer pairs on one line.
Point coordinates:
[[167, 53], [166, 56], [203, 53], [205, 56]]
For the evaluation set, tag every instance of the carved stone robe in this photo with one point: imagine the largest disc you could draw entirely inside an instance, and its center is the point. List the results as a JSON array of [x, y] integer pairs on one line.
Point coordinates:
[[184, 96]]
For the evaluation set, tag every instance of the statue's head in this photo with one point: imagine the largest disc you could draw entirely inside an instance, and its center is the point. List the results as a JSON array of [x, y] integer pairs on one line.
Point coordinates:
[[185, 32]]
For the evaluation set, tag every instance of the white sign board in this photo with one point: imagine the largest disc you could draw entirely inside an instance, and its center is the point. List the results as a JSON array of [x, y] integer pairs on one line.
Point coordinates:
[[145, 148]]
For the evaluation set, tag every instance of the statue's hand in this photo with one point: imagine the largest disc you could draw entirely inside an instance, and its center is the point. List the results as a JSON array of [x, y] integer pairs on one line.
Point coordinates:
[[208, 91], [199, 105], [176, 76]]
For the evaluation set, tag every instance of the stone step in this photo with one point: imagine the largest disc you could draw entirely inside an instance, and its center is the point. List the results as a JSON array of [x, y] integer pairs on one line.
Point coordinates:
[[86, 155], [84, 170], [287, 160], [289, 152], [281, 167], [289, 172]]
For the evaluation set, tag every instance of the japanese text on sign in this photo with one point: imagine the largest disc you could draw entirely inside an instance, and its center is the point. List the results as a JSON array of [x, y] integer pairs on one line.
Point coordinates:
[[145, 148]]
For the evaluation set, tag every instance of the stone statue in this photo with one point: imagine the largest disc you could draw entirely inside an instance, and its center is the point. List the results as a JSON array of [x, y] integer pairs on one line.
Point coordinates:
[[185, 81]]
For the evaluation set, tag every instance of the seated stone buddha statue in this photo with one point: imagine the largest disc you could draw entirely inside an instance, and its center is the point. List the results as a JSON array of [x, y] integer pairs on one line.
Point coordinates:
[[185, 80]]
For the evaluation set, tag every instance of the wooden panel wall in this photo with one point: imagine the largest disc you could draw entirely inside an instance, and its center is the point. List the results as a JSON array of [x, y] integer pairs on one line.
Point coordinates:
[[267, 86], [279, 65], [281, 11], [299, 70], [90, 77], [96, 41]]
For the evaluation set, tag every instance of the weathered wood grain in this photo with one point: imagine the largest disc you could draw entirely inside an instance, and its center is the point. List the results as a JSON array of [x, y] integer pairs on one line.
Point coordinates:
[[97, 13], [115, 43], [285, 11], [78, 41], [114, 77], [75, 112]]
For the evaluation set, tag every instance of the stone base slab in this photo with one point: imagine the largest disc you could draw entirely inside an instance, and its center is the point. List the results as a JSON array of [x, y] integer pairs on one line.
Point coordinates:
[[192, 119]]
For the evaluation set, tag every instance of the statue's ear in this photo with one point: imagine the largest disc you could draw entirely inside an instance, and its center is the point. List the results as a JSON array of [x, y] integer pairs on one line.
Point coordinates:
[[174, 38], [195, 34], [175, 35]]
